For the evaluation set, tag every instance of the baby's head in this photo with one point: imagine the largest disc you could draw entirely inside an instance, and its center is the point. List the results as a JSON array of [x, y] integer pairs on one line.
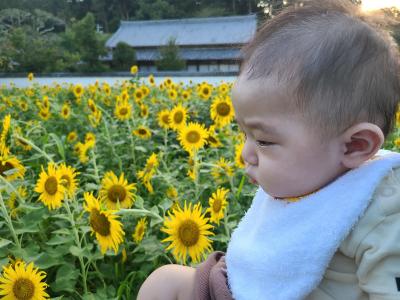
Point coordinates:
[[316, 96]]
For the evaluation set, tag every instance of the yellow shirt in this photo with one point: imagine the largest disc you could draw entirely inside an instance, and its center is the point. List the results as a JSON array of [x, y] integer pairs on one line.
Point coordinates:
[[367, 263]]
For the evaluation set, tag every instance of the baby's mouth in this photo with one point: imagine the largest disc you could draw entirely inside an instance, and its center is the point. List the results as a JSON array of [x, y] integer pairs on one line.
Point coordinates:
[[251, 179]]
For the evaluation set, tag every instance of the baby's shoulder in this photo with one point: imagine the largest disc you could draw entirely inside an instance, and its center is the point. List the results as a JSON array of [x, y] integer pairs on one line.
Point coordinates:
[[386, 198], [381, 216]]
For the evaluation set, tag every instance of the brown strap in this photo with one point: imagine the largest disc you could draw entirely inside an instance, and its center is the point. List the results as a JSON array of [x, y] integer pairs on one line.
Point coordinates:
[[211, 279]]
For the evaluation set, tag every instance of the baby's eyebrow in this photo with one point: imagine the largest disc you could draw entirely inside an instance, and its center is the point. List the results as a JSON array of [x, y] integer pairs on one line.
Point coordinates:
[[261, 126]]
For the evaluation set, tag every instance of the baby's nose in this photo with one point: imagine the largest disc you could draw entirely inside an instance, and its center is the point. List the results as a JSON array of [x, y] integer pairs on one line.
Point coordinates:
[[249, 154]]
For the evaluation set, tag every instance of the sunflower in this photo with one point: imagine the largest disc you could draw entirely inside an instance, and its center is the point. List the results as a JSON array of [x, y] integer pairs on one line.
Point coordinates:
[[68, 179], [151, 80], [92, 106], [172, 94], [140, 229], [145, 90], [212, 138], [163, 118], [95, 118], [12, 202], [188, 231], [116, 192], [72, 136], [134, 69], [142, 132], [21, 281], [123, 110], [44, 114], [222, 168], [172, 193], [107, 89], [147, 173], [10, 167], [205, 90], [223, 88], [65, 111], [238, 156], [30, 76], [192, 137], [23, 105], [78, 90], [177, 117], [104, 224], [124, 96], [50, 187], [144, 111], [217, 203], [167, 82], [90, 136], [138, 95], [185, 95], [221, 111]]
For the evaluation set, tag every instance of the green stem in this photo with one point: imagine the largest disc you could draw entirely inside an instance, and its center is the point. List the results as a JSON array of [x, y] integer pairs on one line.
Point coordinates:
[[226, 222], [34, 147], [96, 170], [12, 188], [9, 223], [240, 187], [112, 146], [132, 145], [78, 244]]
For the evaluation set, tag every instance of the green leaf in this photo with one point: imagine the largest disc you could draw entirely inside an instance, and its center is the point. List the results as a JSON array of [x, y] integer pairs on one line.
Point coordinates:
[[58, 240], [46, 261], [75, 251], [4, 242], [141, 148], [65, 279], [60, 145]]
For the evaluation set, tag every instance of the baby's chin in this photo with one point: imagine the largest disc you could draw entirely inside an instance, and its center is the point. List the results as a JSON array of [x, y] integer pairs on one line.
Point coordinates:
[[286, 194]]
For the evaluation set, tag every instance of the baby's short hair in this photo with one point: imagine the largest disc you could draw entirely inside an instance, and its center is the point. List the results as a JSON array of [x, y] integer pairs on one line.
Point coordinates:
[[343, 68]]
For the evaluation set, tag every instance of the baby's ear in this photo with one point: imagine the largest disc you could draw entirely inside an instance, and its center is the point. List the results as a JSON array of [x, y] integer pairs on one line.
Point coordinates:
[[360, 142]]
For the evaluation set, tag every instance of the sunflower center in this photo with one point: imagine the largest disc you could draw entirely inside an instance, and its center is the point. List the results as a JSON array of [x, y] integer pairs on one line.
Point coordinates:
[[140, 231], [66, 181], [65, 111], [206, 91], [165, 119], [223, 109], [142, 131], [193, 137], [178, 117], [123, 111], [51, 185], [189, 233], [23, 289], [4, 168], [116, 193], [99, 223], [217, 205]]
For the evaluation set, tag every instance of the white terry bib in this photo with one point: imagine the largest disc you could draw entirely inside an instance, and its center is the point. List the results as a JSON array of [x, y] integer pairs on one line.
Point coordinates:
[[280, 250]]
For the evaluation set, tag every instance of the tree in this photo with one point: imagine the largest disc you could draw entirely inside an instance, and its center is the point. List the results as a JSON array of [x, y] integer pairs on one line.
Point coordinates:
[[169, 57], [88, 43], [123, 56]]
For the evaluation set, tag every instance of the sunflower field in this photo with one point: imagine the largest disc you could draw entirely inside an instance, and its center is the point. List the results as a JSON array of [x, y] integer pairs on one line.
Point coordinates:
[[100, 185]]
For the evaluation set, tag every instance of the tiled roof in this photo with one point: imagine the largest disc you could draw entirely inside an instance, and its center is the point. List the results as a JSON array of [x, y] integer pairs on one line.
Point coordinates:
[[233, 30]]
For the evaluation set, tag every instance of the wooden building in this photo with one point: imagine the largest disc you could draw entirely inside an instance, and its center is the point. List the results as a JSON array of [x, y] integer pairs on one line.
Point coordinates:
[[206, 44]]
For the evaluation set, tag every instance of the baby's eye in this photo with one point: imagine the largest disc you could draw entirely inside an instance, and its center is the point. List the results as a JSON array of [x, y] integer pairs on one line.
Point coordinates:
[[263, 143]]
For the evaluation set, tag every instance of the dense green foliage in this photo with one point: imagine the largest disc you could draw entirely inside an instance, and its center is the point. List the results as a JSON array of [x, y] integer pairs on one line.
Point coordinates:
[[123, 56], [170, 59]]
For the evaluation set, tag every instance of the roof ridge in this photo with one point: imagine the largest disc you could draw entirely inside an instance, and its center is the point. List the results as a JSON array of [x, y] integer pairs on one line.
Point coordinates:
[[200, 19]]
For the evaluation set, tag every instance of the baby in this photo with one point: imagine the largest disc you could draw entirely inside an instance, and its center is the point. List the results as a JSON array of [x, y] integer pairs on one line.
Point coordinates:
[[316, 97]]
